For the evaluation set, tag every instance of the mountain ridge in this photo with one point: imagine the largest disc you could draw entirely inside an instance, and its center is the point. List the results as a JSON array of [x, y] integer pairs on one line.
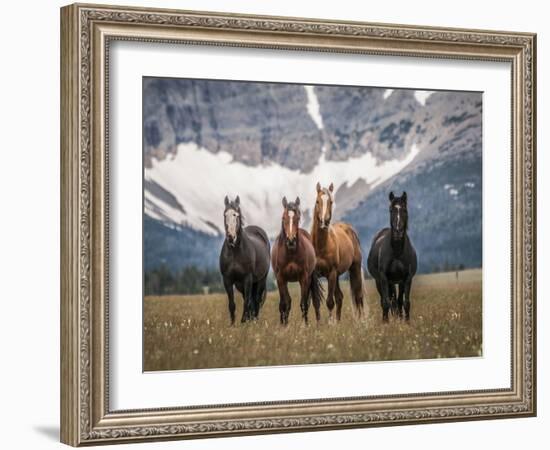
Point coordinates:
[[366, 140]]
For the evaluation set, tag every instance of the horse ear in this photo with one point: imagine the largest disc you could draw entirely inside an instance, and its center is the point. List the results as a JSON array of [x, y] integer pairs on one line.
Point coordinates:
[[331, 187], [284, 202], [226, 201], [391, 196], [318, 187], [297, 202], [404, 196], [237, 200]]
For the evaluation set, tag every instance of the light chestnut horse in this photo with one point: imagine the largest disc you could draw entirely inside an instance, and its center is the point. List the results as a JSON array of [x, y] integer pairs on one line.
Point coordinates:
[[338, 250]]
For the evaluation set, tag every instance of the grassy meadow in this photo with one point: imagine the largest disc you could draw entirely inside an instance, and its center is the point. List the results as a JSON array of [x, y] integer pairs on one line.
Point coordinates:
[[193, 331]]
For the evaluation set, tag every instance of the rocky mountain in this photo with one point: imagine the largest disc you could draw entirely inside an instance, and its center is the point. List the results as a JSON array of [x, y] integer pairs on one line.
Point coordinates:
[[443, 184], [254, 122], [204, 139]]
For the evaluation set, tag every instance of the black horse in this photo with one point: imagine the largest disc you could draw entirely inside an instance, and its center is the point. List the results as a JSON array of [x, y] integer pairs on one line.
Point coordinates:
[[392, 260], [244, 262]]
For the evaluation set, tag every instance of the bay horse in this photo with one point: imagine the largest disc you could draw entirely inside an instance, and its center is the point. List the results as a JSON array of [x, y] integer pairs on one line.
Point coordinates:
[[293, 259], [338, 250], [392, 260], [244, 261]]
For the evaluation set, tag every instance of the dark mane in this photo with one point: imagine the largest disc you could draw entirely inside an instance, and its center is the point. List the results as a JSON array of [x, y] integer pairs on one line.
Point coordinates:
[[291, 206]]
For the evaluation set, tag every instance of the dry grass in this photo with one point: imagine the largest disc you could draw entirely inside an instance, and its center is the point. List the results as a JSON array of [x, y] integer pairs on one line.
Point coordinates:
[[193, 332]]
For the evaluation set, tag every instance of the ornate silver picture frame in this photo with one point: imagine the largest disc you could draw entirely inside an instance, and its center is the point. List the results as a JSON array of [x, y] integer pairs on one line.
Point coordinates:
[[87, 32]]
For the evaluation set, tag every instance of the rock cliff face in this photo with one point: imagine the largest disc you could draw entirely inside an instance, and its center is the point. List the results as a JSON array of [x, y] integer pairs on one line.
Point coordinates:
[[443, 182], [429, 144], [359, 120], [254, 122], [388, 123]]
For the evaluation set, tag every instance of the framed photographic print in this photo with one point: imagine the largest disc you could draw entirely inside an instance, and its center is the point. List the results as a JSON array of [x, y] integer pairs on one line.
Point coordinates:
[[275, 224]]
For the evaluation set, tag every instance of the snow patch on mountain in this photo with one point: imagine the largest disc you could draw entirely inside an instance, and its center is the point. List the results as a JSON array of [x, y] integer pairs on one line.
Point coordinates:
[[422, 96], [200, 179], [313, 106]]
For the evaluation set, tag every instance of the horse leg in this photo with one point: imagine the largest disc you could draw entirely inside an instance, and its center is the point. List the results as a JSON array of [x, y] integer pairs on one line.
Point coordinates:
[[248, 298], [260, 295], [379, 289], [400, 301], [316, 294], [407, 298], [356, 284], [393, 298], [330, 294], [339, 295], [385, 294], [253, 313], [304, 299], [284, 301], [228, 285]]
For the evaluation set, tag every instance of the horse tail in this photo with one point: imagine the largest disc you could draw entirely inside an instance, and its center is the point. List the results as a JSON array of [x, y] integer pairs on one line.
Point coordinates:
[[358, 287], [316, 289], [361, 278]]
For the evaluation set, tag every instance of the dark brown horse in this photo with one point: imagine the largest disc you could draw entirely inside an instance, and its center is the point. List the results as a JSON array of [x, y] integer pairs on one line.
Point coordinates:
[[338, 250], [293, 259]]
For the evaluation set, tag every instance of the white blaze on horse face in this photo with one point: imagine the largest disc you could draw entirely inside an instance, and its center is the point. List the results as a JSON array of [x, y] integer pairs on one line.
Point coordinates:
[[398, 207], [291, 221], [231, 217], [324, 199]]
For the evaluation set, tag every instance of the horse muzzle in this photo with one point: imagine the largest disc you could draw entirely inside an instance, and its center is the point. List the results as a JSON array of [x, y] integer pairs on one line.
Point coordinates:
[[398, 234], [291, 244]]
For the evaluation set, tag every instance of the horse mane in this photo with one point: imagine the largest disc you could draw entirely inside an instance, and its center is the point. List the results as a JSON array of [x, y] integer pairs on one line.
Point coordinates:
[[293, 207]]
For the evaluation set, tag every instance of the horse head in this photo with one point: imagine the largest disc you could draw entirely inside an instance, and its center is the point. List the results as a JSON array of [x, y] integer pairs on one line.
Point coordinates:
[[232, 219], [291, 221], [398, 215], [323, 205]]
